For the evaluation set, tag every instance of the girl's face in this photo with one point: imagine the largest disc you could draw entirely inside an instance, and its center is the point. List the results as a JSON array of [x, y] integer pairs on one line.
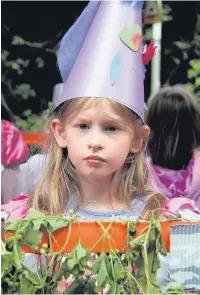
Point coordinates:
[[97, 140]]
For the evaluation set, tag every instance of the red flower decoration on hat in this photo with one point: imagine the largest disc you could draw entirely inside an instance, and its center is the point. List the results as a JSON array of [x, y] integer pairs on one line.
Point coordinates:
[[149, 53]]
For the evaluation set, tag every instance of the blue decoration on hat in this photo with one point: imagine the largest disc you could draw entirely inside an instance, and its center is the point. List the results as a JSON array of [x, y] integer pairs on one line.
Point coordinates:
[[115, 68], [73, 40]]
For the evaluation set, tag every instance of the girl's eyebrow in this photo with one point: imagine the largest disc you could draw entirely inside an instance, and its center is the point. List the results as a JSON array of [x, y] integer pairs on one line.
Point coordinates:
[[111, 121], [82, 119], [103, 121]]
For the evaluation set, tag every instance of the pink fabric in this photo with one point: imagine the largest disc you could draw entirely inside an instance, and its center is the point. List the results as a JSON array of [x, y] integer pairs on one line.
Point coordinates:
[[178, 183], [176, 204], [17, 208], [13, 147]]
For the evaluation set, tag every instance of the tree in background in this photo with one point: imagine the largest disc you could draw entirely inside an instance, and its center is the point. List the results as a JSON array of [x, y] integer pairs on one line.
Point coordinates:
[[29, 72], [18, 88], [185, 57]]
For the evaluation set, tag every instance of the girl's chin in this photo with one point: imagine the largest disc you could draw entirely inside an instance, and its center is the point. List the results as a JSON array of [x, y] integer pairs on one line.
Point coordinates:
[[96, 175]]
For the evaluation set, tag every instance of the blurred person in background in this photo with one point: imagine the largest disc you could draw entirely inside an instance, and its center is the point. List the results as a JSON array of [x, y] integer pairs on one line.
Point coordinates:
[[14, 150], [174, 147], [22, 179]]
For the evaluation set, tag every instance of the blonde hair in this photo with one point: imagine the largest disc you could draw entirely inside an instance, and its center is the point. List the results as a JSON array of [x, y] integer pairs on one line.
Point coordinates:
[[59, 178]]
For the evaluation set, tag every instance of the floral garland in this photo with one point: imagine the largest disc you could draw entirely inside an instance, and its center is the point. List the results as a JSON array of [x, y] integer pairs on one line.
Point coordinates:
[[81, 271]]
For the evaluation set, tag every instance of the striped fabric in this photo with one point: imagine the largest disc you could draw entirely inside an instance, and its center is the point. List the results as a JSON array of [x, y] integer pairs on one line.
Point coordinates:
[[185, 256]]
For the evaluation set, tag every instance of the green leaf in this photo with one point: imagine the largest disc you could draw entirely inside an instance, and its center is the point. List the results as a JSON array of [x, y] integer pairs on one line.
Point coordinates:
[[40, 62], [195, 64], [6, 259], [26, 287], [174, 289], [28, 113], [17, 40], [102, 277], [119, 270], [120, 289], [18, 255], [182, 44], [54, 224], [4, 55], [71, 263], [32, 237], [139, 241], [97, 263], [191, 74], [197, 82], [32, 277], [12, 225], [39, 219], [156, 224], [81, 251], [15, 66], [37, 223], [24, 91]]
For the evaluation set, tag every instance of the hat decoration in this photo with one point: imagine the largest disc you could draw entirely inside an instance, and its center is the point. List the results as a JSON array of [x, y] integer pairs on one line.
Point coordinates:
[[149, 53], [101, 54]]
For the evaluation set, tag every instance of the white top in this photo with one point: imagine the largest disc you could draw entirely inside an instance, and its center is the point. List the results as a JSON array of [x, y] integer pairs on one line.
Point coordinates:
[[22, 179]]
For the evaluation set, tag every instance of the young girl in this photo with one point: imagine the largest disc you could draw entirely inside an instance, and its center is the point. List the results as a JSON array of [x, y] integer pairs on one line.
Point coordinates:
[[96, 157], [175, 143], [96, 153], [95, 161]]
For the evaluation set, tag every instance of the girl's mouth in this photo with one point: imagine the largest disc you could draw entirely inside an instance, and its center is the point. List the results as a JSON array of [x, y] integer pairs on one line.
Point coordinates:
[[95, 161]]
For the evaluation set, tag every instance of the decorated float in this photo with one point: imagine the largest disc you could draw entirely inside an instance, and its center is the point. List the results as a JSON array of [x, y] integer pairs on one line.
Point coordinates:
[[58, 254]]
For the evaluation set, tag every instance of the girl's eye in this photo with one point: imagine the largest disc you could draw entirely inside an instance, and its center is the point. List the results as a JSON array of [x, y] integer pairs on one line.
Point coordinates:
[[83, 126], [111, 128]]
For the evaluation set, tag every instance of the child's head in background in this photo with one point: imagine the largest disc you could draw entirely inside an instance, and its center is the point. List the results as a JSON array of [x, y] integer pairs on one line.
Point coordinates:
[[100, 111], [174, 118]]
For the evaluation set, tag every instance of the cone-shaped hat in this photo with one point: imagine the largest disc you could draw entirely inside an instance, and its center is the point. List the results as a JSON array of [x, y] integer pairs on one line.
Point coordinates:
[[101, 55]]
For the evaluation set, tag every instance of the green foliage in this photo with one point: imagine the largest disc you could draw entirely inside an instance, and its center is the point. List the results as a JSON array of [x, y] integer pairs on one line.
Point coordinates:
[[193, 75], [13, 68], [80, 271], [29, 122], [25, 91]]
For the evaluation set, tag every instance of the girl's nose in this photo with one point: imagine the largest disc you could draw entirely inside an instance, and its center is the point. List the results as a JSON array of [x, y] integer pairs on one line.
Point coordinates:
[[95, 140], [94, 146]]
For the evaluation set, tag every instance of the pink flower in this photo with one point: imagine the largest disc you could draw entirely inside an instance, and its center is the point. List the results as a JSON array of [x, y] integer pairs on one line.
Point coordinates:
[[149, 53], [65, 283]]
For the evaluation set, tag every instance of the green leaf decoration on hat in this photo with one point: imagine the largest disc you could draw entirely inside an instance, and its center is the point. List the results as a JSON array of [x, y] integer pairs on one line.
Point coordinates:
[[131, 37]]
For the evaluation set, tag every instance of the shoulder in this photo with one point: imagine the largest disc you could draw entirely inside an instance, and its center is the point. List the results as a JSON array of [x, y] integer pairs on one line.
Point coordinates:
[[138, 204]]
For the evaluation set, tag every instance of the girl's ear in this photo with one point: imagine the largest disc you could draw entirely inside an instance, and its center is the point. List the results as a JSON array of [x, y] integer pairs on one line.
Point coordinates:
[[58, 131], [138, 140]]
